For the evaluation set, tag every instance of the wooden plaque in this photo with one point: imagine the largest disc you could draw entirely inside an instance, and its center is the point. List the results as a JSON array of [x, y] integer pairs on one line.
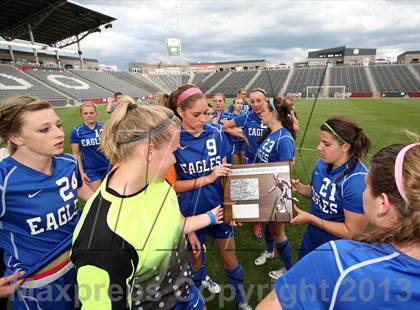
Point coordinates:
[[257, 193]]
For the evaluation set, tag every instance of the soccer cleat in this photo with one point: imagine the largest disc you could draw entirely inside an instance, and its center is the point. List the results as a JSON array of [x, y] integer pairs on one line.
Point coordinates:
[[262, 259], [257, 231], [244, 306], [275, 274], [212, 286]]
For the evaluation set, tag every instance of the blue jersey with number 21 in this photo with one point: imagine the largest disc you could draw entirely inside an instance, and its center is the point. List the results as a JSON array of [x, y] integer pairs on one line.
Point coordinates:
[[331, 198]]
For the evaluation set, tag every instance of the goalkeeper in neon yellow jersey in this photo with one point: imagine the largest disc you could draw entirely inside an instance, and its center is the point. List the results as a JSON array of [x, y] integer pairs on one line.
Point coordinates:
[[129, 248]]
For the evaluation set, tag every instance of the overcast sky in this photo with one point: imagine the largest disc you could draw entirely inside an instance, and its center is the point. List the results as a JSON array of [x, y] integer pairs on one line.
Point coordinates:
[[278, 31]]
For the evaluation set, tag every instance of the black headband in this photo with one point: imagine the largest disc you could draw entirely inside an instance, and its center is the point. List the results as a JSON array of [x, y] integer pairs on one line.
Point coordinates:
[[148, 135]]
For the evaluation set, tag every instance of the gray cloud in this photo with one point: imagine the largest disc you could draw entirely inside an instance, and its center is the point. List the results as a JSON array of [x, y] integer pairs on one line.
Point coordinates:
[[277, 31]]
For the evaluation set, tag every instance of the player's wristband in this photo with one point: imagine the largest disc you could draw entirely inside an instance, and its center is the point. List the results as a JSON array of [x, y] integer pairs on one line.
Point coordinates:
[[212, 218]]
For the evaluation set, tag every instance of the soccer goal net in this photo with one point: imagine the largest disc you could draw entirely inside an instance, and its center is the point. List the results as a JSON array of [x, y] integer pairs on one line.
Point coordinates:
[[326, 92]]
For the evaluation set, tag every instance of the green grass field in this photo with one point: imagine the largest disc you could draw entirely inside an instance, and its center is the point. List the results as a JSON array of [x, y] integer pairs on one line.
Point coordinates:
[[383, 120]]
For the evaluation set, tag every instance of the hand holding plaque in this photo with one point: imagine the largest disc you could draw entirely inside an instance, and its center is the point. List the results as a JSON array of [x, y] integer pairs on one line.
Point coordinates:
[[259, 193]]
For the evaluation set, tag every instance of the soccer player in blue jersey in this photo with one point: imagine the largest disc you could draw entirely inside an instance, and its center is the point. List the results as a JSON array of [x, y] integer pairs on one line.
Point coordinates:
[[201, 161], [208, 283], [269, 253], [278, 140], [219, 113], [208, 113], [85, 141], [337, 184], [242, 94], [39, 187], [252, 126], [237, 143], [277, 144], [129, 246], [382, 269], [252, 130], [219, 118]]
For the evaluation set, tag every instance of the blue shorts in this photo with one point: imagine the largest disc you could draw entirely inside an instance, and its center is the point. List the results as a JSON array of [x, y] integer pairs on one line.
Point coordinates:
[[219, 231], [313, 238], [59, 294], [249, 160], [95, 175], [194, 300], [238, 147]]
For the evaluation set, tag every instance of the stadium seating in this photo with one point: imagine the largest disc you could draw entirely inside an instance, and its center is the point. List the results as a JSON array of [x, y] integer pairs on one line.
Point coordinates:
[[198, 77], [136, 80], [111, 83], [304, 77], [212, 80], [14, 82], [146, 78], [70, 84], [354, 78], [417, 68], [63, 86], [394, 78], [169, 82], [272, 81], [184, 79], [233, 82], [173, 81], [157, 81]]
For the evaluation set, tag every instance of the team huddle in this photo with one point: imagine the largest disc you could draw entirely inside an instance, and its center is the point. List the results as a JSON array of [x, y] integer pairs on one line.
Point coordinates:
[[151, 177]]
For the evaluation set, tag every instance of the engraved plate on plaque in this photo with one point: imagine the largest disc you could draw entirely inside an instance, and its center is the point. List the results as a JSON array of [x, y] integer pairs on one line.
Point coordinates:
[[244, 189], [246, 211], [259, 193]]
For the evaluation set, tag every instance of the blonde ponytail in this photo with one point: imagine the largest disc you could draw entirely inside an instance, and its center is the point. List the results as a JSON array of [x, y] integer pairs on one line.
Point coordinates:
[[129, 121]]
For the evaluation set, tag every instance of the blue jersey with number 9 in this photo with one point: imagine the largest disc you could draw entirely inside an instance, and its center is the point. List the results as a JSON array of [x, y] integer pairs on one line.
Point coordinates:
[[198, 157], [38, 212]]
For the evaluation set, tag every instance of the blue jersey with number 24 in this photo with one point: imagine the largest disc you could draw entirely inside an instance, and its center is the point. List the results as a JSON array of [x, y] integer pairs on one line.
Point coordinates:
[[38, 212]]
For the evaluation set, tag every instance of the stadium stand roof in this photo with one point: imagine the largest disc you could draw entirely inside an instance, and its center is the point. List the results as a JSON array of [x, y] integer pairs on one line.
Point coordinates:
[[409, 53], [52, 21], [345, 51], [23, 53], [239, 61], [228, 62], [332, 49]]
